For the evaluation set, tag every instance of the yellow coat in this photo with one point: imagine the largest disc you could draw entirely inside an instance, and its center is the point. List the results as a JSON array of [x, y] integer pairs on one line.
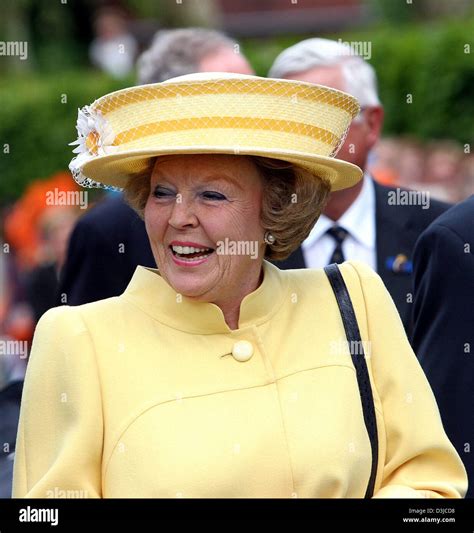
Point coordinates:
[[141, 396]]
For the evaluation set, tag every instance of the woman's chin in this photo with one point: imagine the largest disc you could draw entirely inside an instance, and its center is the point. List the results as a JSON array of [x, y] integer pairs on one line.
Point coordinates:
[[188, 284]]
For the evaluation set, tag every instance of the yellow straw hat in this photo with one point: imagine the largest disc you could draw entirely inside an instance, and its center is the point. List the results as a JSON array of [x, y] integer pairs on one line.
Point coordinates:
[[217, 113]]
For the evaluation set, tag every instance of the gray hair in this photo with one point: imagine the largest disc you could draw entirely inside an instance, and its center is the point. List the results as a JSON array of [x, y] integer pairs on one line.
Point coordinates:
[[359, 77], [178, 52]]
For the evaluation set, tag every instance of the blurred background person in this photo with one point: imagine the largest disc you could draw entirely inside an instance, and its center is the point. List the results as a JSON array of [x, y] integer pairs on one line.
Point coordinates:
[[410, 163], [439, 167], [360, 222], [443, 318], [37, 229], [41, 283], [114, 48], [443, 170], [110, 241], [22, 220], [184, 51]]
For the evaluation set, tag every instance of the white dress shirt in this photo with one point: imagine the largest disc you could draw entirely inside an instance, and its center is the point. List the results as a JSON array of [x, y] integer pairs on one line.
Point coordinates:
[[358, 220]]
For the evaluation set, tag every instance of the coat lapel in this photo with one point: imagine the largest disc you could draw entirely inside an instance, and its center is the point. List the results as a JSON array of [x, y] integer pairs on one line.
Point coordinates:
[[393, 238]]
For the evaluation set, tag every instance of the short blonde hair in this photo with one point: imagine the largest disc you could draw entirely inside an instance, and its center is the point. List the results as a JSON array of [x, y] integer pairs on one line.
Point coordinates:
[[292, 202]]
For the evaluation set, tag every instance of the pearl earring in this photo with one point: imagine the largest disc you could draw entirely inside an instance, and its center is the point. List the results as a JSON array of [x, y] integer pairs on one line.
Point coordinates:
[[269, 238]]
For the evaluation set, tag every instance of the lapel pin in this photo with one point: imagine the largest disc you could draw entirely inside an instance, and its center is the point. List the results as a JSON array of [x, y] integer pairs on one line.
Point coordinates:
[[399, 264]]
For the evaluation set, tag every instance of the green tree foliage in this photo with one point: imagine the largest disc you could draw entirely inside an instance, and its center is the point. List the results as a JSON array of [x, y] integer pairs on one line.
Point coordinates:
[[37, 121]]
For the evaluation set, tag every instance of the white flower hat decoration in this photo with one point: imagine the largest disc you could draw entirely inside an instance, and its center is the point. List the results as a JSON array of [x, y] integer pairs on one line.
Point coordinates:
[[95, 138]]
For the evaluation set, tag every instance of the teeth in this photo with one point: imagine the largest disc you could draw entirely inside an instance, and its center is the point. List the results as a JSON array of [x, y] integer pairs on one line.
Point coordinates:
[[187, 249], [189, 260]]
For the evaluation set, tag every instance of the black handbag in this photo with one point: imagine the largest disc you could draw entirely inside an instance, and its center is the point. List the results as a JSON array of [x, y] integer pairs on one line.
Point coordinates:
[[358, 359]]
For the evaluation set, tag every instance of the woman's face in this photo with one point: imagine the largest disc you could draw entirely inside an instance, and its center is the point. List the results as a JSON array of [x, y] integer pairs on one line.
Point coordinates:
[[203, 221]]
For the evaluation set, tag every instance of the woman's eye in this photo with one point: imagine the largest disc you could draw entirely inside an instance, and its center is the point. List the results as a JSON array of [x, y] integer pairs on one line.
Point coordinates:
[[162, 192], [211, 195]]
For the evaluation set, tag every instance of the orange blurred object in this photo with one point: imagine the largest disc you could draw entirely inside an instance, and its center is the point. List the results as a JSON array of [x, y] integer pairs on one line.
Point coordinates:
[[385, 176], [20, 323], [22, 223]]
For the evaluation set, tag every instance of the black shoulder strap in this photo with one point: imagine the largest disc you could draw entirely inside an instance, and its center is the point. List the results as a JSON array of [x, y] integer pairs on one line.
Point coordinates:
[[358, 358]]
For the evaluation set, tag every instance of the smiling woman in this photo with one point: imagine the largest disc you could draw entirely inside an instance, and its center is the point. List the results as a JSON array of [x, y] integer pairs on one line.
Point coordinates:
[[194, 201], [218, 375]]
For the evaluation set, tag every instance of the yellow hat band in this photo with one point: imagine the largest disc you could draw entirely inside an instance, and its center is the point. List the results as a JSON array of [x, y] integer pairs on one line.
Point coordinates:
[[243, 126]]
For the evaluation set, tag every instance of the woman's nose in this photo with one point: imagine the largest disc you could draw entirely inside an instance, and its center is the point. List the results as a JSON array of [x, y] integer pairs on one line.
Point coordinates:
[[182, 214]]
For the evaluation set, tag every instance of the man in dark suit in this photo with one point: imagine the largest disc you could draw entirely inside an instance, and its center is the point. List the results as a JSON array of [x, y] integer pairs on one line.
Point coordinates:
[[110, 241], [443, 322], [367, 222], [397, 229]]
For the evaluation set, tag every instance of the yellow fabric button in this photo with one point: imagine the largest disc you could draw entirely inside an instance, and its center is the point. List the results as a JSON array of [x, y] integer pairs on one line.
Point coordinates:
[[242, 351]]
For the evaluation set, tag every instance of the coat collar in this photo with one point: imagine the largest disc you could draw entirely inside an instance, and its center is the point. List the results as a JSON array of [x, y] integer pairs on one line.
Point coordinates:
[[152, 294]]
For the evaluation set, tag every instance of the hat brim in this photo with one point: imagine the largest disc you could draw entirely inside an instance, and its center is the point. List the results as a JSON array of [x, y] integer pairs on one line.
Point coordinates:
[[116, 169]]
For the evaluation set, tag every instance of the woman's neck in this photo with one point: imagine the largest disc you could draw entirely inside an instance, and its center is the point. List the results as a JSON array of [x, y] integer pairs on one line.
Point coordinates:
[[231, 308]]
